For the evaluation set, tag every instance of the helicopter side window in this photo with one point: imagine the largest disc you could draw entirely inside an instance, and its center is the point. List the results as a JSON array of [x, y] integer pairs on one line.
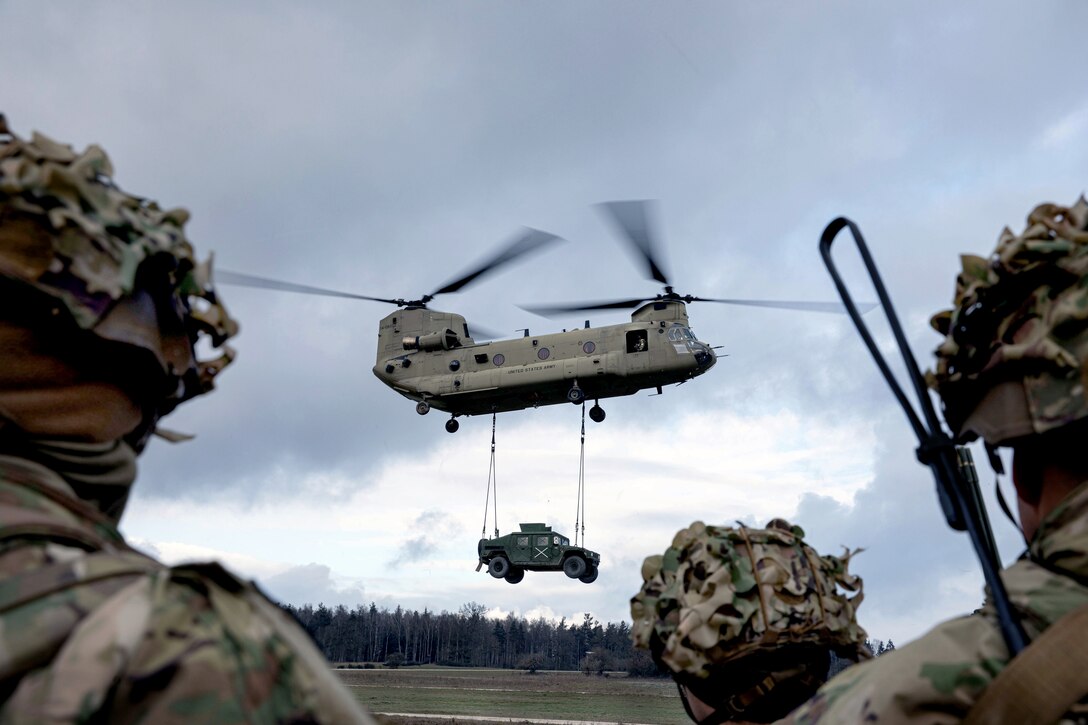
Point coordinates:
[[636, 341], [589, 347], [499, 359]]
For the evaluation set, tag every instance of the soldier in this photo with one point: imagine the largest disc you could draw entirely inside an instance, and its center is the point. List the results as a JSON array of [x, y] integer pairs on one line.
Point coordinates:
[[103, 305], [746, 619], [1011, 370]]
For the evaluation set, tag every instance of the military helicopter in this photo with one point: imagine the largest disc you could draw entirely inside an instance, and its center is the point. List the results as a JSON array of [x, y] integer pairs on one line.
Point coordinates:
[[430, 356]]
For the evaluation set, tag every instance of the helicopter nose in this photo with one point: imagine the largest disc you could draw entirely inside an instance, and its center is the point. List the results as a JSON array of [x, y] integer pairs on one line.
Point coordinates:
[[705, 357]]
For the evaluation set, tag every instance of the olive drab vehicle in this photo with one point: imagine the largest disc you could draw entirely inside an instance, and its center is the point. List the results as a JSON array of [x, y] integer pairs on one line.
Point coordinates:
[[536, 548], [431, 357]]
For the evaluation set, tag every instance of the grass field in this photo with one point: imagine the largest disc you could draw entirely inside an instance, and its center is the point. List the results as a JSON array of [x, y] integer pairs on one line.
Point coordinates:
[[463, 693]]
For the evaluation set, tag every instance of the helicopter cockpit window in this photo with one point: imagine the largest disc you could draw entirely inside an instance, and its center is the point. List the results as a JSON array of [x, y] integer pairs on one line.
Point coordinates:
[[466, 330], [523, 541], [636, 341], [675, 334], [499, 359]]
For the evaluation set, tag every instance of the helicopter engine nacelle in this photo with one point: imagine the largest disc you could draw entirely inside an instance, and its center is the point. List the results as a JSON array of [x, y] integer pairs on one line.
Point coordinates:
[[435, 341]]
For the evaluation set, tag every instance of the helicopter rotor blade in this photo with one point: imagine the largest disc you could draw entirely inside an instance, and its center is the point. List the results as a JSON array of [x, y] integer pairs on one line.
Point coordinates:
[[552, 311], [829, 307], [633, 219], [249, 280], [528, 241], [482, 334]]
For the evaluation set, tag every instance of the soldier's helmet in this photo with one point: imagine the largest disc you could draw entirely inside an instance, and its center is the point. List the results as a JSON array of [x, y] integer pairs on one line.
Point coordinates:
[[746, 618], [1014, 361], [86, 260]]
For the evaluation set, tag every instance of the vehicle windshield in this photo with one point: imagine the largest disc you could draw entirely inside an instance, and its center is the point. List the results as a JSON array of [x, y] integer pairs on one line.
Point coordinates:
[[564, 541]]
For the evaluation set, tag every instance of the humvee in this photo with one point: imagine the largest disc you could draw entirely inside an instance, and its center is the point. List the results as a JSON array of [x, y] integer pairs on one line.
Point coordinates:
[[536, 548]]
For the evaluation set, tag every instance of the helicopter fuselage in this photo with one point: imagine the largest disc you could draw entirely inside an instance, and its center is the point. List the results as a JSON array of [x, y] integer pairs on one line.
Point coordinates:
[[428, 356]]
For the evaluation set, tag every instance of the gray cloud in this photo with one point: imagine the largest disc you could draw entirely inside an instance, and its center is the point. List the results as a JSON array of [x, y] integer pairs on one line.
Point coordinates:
[[312, 584], [381, 147]]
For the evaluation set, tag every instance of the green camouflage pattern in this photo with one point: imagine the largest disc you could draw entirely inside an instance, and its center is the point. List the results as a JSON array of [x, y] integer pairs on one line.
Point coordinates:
[[719, 594], [119, 265], [936, 679], [1019, 318], [93, 631]]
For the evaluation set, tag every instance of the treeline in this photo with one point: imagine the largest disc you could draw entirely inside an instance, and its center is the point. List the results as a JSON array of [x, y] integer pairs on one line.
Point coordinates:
[[467, 638]]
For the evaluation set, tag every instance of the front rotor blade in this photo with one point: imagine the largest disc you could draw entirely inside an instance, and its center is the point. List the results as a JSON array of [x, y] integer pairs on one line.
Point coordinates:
[[831, 307], [528, 241], [248, 280], [588, 307], [632, 218]]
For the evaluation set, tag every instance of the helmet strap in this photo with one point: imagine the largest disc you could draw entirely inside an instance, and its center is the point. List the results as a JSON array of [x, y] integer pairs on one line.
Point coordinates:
[[999, 470]]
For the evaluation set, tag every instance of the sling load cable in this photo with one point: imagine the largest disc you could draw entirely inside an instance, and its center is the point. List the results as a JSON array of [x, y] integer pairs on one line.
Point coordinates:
[[580, 511], [493, 482]]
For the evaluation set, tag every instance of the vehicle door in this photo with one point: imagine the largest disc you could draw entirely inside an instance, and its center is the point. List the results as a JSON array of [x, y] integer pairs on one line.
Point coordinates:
[[521, 551], [544, 550]]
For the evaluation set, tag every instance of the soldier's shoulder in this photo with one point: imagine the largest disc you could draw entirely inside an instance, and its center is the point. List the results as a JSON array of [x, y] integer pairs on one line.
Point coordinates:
[[189, 644], [934, 679]]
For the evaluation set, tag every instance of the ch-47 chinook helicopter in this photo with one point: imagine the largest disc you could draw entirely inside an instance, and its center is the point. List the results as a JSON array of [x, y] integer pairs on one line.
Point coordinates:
[[430, 357]]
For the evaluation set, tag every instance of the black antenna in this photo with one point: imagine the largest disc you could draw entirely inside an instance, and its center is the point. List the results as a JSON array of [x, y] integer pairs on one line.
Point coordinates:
[[952, 467]]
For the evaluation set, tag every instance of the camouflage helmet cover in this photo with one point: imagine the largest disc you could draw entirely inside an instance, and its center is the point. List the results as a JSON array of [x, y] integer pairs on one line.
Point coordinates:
[[1014, 361], [720, 594], [120, 266]]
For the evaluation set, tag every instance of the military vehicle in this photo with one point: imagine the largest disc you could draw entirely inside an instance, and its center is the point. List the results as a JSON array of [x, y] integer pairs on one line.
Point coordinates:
[[536, 548], [431, 357]]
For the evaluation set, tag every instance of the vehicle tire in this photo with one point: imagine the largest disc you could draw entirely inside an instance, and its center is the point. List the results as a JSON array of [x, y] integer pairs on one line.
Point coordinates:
[[574, 567], [452, 425], [576, 395], [423, 407], [516, 574], [596, 414], [590, 576], [499, 567]]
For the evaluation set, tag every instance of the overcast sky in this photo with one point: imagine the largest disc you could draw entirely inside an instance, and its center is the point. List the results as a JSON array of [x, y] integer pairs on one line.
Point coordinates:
[[383, 147]]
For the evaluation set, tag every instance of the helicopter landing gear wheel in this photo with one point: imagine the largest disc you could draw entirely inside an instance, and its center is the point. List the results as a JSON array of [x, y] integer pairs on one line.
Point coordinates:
[[576, 395], [423, 407], [596, 413], [452, 425]]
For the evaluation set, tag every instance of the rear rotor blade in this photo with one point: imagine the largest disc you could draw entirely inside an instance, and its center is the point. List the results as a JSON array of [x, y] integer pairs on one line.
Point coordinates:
[[528, 241], [478, 333], [632, 218], [830, 307], [248, 280], [547, 311]]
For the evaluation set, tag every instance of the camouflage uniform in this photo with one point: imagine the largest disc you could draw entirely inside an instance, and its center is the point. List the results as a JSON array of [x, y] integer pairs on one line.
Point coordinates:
[[719, 605], [90, 629], [937, 678], [1013, 366]]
